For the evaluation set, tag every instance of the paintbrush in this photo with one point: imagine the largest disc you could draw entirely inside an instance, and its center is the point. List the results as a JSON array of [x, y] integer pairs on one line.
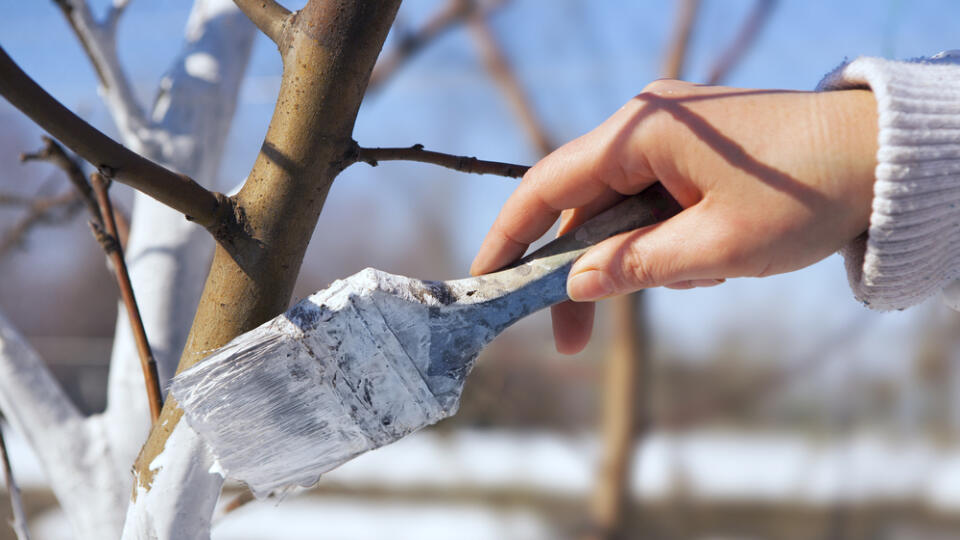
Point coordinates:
[[372, 358]]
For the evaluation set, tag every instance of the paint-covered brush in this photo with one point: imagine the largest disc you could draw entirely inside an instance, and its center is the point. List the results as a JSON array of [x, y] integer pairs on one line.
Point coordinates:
[[372, 358]]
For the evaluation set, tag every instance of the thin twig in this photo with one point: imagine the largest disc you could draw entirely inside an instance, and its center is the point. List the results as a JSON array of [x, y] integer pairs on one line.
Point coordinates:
[[175, 190], [107, 236], [8, 199], [497, 65], [677, 50], [449, 16], [738, 48], [54, 154], [373, 156], [41, 210], [269, 16], [19, 522]]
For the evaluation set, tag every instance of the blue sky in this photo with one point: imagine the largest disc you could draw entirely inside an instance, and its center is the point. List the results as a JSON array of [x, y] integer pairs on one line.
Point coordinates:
[[580, 61]]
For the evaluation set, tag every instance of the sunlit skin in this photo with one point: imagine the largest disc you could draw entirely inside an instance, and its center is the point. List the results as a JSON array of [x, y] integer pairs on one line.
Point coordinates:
[[770, 181]]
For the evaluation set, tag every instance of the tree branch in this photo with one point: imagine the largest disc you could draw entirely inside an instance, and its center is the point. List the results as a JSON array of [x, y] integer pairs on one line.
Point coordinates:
[[99, 41], [677, 50], [748, 33], [30, 397], [108, 238], [19, 522], [497, 65], [40, 210], [373, 156], [110, 157], [451, 14], [54, 154], [269, 16]]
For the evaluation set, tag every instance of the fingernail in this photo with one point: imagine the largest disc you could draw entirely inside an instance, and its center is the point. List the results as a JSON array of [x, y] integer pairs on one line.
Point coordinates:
[[589, 285]]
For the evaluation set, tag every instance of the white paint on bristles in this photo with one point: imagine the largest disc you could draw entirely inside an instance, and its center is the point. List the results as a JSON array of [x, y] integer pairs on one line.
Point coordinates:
[[312, 388]]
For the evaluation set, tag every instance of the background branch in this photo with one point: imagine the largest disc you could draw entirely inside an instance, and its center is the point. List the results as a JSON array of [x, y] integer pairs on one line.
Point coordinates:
[[748, 33], [449, 16], [54, 154], [680, 38], [55, 209], [59, 208], [373, 156], [497, 65], [627, 400]]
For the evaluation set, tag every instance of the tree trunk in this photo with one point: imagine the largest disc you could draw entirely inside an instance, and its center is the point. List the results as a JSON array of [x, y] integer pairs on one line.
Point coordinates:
[[328, 49]]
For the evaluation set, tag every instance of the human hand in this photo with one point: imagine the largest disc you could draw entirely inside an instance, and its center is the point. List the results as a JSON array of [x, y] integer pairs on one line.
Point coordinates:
[[770, 182]]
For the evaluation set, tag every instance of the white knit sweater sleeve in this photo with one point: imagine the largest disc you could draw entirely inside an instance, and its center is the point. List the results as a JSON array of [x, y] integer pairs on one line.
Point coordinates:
[[912, 248]]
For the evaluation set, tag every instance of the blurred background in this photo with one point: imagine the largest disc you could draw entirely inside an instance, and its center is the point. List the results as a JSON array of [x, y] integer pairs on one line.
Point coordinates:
[[774, 408]]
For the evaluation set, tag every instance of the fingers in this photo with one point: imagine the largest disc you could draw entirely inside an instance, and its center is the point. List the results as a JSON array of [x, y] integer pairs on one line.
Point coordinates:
[[574, 217], [572, 325], [578, 174], [683, 251]]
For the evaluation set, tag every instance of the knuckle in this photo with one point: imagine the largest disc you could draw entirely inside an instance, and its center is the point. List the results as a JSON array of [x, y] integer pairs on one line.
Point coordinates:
[[665, 88], [635, 271], [659, 87]]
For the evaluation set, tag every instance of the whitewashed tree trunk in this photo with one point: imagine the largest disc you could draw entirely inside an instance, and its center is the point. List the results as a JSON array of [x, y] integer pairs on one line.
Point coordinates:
[[88, 460]]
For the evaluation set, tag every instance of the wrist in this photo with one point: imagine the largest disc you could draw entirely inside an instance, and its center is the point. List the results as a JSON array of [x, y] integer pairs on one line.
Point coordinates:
[[848, 131]]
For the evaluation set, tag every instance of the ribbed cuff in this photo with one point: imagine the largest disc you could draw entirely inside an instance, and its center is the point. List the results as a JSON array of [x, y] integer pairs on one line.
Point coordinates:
[[912, 248]]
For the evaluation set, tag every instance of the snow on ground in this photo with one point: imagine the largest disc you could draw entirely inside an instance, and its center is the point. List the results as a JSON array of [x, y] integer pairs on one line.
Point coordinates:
[[710, 465], [377, 520]]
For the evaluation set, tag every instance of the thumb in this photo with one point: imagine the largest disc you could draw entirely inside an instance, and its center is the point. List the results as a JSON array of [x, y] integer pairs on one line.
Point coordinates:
[[682, 248]]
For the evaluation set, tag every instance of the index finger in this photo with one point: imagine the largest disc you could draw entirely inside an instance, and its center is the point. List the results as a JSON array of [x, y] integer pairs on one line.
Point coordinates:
[[580, 172]]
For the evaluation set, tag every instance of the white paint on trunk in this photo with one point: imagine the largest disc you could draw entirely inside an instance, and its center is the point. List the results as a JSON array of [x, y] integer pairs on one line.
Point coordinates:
[[73, 452], [183, 494]]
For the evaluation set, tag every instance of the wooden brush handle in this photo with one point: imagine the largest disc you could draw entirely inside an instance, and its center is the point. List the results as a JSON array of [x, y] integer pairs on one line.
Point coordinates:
[[650, 206], [539, 279]]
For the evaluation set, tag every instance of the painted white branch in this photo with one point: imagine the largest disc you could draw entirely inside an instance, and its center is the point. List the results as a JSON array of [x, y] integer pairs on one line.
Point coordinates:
[[19, 521], [29, 395], [100, 42], [73, 452], [168, 259]]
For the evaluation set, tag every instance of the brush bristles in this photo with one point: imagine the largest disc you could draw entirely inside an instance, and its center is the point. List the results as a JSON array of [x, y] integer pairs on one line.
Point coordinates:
[[304, 393]]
